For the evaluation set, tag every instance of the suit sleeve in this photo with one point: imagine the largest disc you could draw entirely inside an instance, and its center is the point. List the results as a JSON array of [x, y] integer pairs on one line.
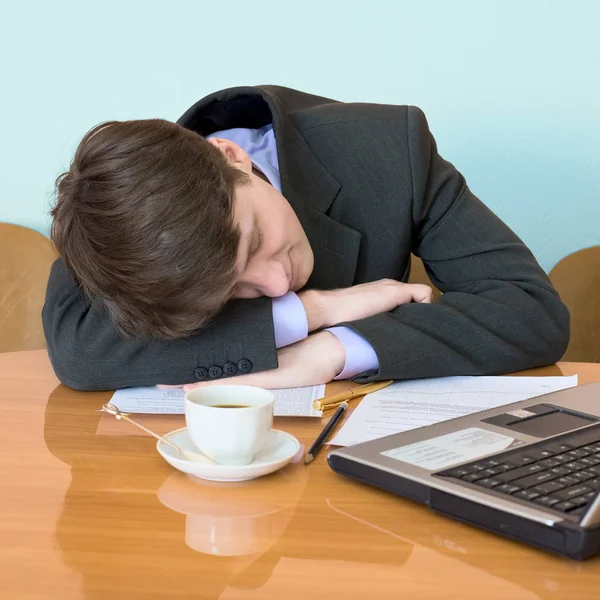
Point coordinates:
[[87, 353], [498, 313]]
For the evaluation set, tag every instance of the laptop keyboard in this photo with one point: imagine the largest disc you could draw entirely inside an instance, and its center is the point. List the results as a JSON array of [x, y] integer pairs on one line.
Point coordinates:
[[562, 475]]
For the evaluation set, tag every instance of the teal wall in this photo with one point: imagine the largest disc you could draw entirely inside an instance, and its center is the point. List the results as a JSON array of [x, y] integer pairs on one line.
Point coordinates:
[[511, 88]]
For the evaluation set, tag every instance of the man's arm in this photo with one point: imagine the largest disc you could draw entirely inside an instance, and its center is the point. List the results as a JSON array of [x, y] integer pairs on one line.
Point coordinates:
[[87, 353], [498, 312]]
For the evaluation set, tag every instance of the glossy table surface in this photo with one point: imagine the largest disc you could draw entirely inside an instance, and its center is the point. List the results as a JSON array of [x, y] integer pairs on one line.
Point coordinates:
[[88, 509]]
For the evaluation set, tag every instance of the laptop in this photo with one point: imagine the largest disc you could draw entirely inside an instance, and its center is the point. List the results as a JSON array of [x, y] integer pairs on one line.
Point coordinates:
[[528, 470]]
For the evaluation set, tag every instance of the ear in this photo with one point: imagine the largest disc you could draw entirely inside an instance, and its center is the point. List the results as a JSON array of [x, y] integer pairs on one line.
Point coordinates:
[[235, 155]]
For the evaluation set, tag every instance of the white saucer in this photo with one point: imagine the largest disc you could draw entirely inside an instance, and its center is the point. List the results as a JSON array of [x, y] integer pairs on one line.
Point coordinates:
[[279, 449]]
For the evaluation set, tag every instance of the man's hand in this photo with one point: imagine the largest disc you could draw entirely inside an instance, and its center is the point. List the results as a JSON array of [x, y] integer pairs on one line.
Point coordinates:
[[316, 359], [321, 356], [331, 307]]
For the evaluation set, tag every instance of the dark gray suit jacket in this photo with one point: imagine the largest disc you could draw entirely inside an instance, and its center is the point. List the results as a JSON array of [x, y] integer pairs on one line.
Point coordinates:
[[369, 188]]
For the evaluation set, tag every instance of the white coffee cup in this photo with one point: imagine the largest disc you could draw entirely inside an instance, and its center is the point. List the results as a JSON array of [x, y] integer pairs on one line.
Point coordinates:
[[230, 436]]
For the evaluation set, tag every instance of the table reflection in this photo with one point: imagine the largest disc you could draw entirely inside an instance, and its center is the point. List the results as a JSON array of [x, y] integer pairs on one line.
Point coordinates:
[[135, 528], [235, 519]]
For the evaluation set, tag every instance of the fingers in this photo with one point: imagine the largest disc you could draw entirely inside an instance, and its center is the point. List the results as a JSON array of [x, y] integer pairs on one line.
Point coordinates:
[[427, 297], [420, 293], [405, 293]]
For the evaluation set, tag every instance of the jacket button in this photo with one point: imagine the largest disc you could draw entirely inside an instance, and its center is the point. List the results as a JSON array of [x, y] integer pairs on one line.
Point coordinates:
[[201, 374], [230, 369], [244, 366], [215, 372]]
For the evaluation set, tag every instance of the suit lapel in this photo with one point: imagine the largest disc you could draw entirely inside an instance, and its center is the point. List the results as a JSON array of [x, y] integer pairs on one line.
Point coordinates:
[[310, 189], [334, 245]]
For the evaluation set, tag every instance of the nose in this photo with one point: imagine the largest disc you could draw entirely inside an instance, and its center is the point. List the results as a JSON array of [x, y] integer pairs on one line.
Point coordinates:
[[272, 280]]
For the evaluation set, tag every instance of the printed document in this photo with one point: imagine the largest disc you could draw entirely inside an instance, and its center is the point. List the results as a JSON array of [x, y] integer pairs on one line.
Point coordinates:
[[410, 404]]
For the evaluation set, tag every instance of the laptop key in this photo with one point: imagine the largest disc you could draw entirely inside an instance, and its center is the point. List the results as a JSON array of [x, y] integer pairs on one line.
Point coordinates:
[[577, 464], [486, 473], [471, 477], [593, 460], [579, 453], [593, 483], [549, 487], [521, 460], [458, 472], [572, 492], [526, 494], [488, 483], [507, 488], [495, 471], [582, 476], [561, 471], [504, 467], [535, 479], [549, 463], [520, 472], [580, 501], [568, 468], [479, 466], [546, 500], [567, 481], [465, 468], [564, 506]]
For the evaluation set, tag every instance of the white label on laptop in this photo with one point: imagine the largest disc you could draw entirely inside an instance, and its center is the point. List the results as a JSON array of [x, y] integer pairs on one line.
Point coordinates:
[[451, 449]]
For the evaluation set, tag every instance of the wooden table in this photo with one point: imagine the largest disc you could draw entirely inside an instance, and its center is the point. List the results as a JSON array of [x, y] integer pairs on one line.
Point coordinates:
[[88, 509]]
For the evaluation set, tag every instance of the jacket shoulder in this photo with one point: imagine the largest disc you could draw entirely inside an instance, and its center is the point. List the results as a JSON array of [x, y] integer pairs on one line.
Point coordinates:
[[309, 110], [341, 113]]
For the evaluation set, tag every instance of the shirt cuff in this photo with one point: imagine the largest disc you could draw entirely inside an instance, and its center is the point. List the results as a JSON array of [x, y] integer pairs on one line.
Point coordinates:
[[360, 356], [289, 320]]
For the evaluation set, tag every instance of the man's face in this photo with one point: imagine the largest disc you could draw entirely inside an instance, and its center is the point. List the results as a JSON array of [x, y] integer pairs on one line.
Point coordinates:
[[274, 255]]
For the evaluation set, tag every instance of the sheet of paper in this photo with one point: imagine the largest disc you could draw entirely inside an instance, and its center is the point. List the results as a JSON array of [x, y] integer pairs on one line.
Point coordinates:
[[290, 402], [410, 404]]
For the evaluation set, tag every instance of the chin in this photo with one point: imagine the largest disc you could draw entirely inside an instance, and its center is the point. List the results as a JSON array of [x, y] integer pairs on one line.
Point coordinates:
[[303, 272], [298, 285]]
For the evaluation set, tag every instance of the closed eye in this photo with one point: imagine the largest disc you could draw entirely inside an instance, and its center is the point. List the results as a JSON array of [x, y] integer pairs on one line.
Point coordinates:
[[257, 241], [253, 249]]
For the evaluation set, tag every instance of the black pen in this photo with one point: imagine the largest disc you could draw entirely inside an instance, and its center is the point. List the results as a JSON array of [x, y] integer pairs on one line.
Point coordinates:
[[337, 415]]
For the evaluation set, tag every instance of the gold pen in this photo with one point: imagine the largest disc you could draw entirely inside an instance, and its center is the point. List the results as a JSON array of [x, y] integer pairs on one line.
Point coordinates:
[[337, 399]]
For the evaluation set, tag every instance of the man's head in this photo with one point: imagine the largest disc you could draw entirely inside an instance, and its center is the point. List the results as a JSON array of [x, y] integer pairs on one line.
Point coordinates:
[[161, 227]]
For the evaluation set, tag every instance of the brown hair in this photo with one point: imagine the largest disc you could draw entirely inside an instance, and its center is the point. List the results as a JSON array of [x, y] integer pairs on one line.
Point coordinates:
[[144, 223]]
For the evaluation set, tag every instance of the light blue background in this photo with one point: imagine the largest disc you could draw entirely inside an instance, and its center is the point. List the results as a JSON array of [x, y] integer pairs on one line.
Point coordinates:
[[511, 88]]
